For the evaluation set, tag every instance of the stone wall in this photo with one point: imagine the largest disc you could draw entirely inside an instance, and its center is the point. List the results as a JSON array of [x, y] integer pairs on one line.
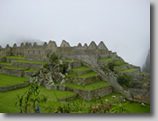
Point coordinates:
[[13, 72], [8, 88], [30, 66], [141, 94], [2, 59], [89, 95], [85, 81]]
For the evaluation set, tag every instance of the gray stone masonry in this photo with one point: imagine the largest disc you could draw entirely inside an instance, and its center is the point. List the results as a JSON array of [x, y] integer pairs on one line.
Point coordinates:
[[82, 72], [8, 88], [30, 66], [85, 81], [89, 95], [13, 72]]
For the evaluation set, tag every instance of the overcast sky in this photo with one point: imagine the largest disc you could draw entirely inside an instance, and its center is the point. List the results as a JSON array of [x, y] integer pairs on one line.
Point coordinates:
[[123, 25]]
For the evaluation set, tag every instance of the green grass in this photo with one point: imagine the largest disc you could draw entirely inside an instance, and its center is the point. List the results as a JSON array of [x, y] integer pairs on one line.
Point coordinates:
[[31, 71], [129, 70], [91, 74], [130, 107], [88, 87], [7, 80], [15, 57], [5, 63], [106, 59], [16, 68], [137, 108], [25, 61], [70, 60], [82, 68], [8, 99], [87, 75], [2, 56]]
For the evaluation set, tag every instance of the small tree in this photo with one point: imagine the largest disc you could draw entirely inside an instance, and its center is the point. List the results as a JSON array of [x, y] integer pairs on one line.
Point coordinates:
[[29, 100], [53, 58]]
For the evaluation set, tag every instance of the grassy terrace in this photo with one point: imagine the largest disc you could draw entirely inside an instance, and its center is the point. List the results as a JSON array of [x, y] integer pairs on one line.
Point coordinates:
[[88, 87], [25, 61], [106, 59], [15, 57], [129, 70], [31, 71], [91, 74], [70, 60], [7, 80], [16, 68], [5, 63], [8, 99], [81, 69]]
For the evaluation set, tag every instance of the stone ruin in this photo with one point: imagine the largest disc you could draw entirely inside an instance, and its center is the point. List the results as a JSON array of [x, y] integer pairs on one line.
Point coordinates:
[[88, 56]]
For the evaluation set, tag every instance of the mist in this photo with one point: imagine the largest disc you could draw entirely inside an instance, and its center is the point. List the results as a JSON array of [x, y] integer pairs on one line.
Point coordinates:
[[123, 25]]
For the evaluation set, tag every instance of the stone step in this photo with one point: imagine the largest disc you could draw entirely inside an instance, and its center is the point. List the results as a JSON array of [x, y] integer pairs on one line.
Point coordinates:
[[72, 63], [9, 59], [88, 92], [106, 61], [84, 79], [14, 71], [4, 64], [29, 73], [31, 65], [125, 67], [81, 70], [132, 71]]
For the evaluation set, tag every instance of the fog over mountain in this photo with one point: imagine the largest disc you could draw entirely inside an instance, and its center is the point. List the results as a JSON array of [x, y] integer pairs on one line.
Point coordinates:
[[146, 66], [123, 25]]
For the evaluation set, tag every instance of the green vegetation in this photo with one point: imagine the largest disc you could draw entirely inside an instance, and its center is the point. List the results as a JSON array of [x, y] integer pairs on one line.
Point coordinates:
[[53, 58], [87, 75], [8, 99], [16, 68], [31, 71], [124, 80], [106, 59], [129, 70], [88, 87], [34, 62], [5, 63], [137, 108], [91, 74], [81, 69], [70, 60], [15, 57], [7, 80], [1, 56], [113, 65]]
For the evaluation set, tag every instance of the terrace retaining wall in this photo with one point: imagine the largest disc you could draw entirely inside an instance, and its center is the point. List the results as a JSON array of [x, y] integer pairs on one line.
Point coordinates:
[[8, 88]]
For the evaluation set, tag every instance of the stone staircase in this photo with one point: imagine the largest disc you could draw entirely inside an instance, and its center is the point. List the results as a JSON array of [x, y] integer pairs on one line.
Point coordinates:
[[86, 83]]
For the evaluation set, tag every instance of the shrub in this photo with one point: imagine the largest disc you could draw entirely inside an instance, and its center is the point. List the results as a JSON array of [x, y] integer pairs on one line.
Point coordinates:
[[53, 57], [124, 80], [111, 66]]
